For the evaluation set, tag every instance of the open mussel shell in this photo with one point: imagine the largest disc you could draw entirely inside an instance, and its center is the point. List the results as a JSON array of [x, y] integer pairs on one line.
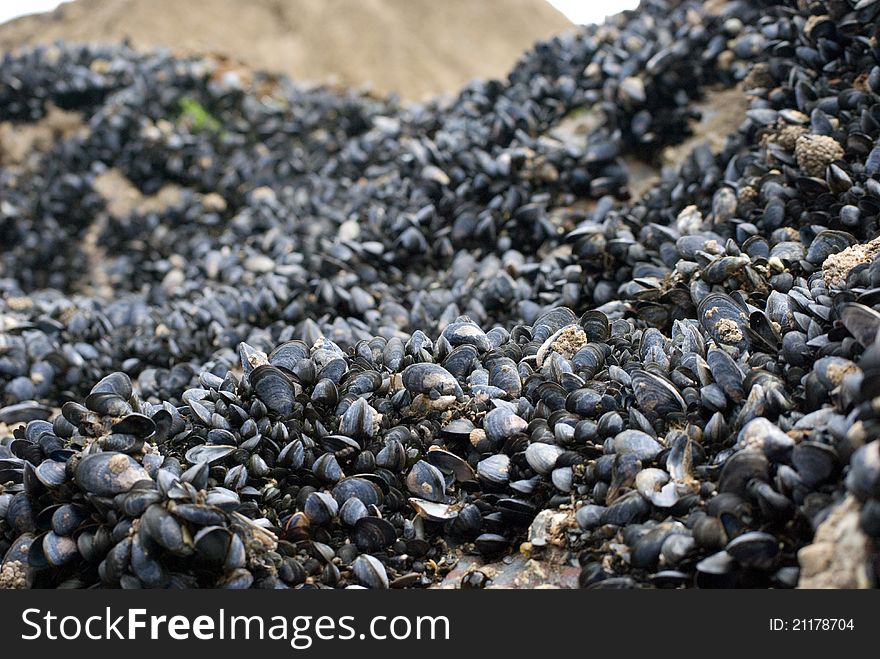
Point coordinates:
[[209, 453], [197, 475], [433, 511], [566, 341], [656, 486], [450, 463], [213, 542], [862, 322]]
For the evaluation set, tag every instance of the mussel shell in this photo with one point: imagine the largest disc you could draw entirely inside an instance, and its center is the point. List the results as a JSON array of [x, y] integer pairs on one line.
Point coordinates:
[[724, 320], [863, 479], [352, 510], [450, 463], [138, 425], [424, 480], [369, 572], [52, 473], [368, 492], [67, 518], [165, 530], [117, 383], [656, 395], [321, 508], [425, 378], [212, 543], [274, 389], [502, 423], [373, 534], [149, 571], [327, 469], [494, 470], [59, 550], [208, 453], [109, 473], [754, 549], [491, 544], [742, 467], [433, 511], [542, 457], [638, 443]]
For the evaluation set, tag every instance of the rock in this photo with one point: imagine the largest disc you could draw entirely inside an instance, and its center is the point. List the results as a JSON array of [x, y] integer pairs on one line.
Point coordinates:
[[838, 557], [549, 528]]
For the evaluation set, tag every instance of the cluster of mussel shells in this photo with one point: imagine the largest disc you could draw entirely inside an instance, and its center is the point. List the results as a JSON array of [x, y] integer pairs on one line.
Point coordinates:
[[314, 413], [473, 199], [321, 467], [92, 501]]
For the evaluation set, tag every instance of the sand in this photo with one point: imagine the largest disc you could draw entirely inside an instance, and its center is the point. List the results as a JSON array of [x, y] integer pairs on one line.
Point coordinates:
[[418, 48]]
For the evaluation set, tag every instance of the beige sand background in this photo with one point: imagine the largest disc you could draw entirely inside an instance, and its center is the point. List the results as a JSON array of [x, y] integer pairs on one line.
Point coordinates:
[[417, 48]]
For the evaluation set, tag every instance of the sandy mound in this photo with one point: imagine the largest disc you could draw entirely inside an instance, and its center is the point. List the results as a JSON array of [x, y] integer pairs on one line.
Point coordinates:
[[417, 48]]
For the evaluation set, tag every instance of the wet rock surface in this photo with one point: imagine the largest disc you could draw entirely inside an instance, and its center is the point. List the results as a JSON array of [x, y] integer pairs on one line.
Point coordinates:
[[367, 345]]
